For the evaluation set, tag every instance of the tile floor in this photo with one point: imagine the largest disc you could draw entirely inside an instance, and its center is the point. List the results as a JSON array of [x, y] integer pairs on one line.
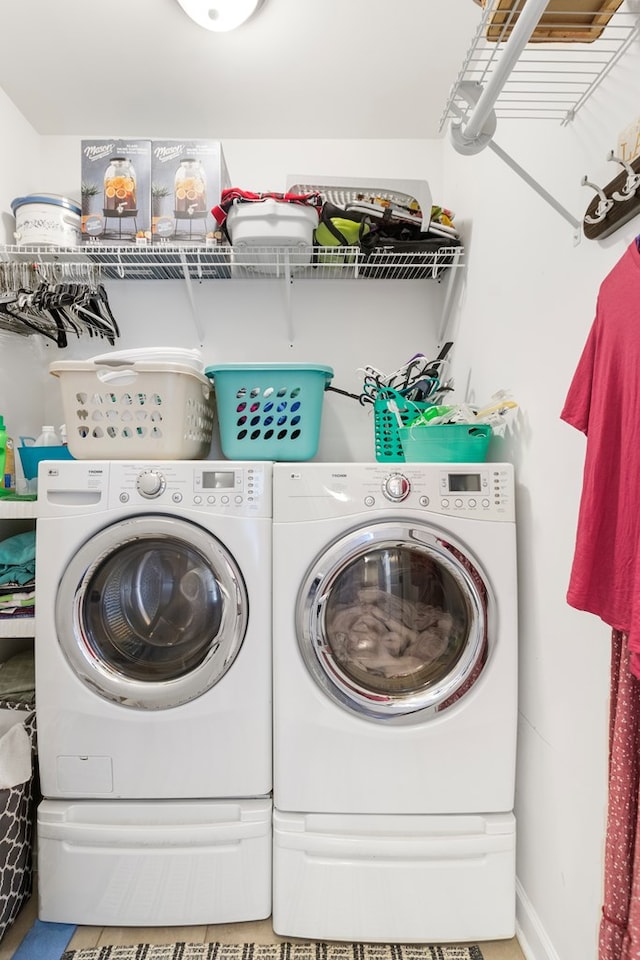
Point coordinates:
[[257, 932]]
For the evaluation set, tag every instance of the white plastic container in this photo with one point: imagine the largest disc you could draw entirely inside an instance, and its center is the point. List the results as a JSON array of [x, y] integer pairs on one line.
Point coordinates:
[[48, 438], [46, 219], [148, 863], [268, 233]]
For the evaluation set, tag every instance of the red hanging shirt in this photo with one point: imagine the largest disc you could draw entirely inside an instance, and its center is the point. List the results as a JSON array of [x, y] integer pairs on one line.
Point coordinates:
[[604, 403]]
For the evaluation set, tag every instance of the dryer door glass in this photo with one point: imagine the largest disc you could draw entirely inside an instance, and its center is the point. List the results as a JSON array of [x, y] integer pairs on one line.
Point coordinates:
[[152, 612], [392, 622]]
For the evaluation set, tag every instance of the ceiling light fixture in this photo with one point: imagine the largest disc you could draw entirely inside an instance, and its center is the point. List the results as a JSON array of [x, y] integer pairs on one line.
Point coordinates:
[[220, 15]]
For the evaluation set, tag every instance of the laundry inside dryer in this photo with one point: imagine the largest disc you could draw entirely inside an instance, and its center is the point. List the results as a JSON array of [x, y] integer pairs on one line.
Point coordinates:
[[396, 619]]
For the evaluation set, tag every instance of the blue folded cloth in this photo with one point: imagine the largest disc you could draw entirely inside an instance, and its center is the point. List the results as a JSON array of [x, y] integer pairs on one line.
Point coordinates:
[[18, 558]]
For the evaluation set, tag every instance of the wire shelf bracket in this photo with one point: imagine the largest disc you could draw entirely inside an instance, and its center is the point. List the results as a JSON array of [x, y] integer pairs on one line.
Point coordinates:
[[507, 76]]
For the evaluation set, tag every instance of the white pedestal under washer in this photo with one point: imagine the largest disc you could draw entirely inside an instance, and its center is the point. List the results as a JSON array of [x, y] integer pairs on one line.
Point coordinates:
[[153, 690], [395, 657]]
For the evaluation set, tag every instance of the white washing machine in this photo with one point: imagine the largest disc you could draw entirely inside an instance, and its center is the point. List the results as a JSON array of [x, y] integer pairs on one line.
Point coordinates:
[[153, 692], [395, 656]]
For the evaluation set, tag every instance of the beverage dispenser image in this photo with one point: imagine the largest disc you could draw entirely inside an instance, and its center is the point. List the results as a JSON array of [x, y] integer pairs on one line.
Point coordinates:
[[190, 196], [120, 199]]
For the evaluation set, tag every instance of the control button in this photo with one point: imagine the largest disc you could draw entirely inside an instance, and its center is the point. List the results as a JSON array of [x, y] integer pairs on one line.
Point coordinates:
[[238, 499], [150, 484], [458, 502], [486, 503], [424, 501], [369, 501], [197, 499], [211, 499], [444, 503], [396, 487], [176, 497], [224, 499], [473, 503], [124, 498]]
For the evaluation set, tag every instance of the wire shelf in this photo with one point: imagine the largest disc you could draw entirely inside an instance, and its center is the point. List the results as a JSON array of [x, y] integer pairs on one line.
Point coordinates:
[[228, 263], [550, 80]]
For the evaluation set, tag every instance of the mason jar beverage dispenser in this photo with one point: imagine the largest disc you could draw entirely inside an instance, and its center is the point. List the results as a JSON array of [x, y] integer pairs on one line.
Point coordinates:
[[120, 186], [190, 188]]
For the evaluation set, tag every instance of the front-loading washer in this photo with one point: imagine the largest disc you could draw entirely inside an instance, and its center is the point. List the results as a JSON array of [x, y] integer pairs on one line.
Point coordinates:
[[395, 656], [153, 691]]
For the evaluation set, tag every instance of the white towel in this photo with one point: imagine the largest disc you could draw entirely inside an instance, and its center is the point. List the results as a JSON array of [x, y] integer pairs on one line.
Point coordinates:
[[15, 750]]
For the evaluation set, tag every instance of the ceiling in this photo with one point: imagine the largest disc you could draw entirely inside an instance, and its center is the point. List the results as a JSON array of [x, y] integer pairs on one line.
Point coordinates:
[[297, 69]]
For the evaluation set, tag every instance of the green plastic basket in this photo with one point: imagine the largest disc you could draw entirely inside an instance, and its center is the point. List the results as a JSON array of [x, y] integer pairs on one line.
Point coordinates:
[[446, 443], [387, 429], [269, 411]]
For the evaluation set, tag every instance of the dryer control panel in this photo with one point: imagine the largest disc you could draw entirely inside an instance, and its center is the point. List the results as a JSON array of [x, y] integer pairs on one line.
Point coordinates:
[[475, 491]]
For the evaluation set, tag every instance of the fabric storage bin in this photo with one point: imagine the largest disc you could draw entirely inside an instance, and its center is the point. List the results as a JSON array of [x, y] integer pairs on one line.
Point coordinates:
[[17, 817], [151, 410], [446, 443], [269, 411], [255, 229]]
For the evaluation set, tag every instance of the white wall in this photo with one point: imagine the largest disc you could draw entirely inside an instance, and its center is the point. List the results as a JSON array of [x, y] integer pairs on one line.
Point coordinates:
[[21, 381], [528, 305]]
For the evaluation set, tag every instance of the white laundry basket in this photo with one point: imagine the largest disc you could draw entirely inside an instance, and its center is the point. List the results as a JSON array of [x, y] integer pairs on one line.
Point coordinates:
[[151, 410]]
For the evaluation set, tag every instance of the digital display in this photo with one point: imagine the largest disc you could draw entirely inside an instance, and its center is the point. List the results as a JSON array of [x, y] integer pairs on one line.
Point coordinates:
[[217, 480], [464, 482]]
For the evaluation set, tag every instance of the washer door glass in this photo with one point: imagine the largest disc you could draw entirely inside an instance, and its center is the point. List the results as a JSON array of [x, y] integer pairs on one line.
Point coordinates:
[[391, 622], [151, 612]]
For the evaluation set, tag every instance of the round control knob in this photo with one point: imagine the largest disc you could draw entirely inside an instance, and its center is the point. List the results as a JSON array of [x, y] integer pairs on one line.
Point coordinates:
[[150, 484], [396, 487]]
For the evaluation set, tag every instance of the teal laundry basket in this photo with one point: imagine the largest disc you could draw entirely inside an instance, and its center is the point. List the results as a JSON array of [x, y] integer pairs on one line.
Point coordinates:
[[269, 411]]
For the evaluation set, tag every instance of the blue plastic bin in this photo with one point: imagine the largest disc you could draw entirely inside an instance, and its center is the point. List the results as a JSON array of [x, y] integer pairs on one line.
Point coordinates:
[[30, 457]]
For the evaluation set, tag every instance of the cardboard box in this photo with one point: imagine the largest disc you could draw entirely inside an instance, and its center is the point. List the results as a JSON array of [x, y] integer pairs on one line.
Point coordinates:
[[116, 192], [187, 179]]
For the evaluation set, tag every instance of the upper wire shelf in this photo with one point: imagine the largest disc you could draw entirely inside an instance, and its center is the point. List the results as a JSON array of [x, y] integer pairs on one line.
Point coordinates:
[[550, 80], [226, 262]]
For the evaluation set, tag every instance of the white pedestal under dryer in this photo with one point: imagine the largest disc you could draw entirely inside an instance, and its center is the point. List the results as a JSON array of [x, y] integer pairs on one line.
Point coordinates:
[[153, 692], [395, 655]]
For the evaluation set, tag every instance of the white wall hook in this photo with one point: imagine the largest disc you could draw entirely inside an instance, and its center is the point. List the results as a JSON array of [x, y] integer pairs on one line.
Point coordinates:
[[632, 181], [604, 204]]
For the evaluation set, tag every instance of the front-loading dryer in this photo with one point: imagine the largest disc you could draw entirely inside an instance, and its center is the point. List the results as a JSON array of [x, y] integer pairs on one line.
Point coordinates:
[[395, 654], [153, 691]]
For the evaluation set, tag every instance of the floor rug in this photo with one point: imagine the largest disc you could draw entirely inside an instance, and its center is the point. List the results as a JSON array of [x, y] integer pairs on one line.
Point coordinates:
[[275, 951]]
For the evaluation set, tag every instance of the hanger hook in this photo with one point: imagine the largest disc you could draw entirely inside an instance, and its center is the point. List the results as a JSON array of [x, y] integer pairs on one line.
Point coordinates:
[[632, 181], [604, 204]]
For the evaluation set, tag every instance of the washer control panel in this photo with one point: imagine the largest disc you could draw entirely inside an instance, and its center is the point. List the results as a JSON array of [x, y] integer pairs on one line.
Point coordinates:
[[222, 487]]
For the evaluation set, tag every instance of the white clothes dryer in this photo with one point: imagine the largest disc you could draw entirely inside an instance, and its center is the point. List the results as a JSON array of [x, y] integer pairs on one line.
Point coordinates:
[[153, 691], [395, 701]]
